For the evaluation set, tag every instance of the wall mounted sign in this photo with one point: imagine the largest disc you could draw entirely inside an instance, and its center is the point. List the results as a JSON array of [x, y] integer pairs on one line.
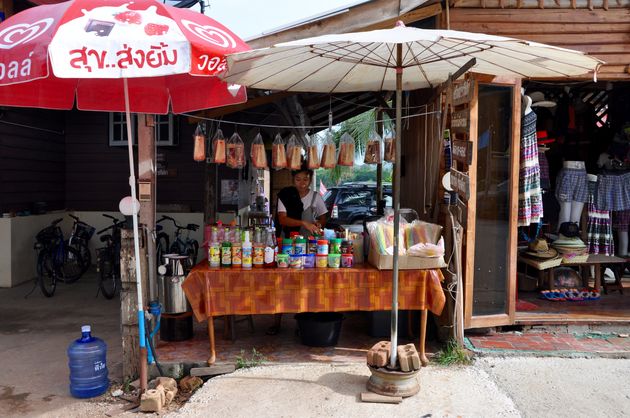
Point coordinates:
[[460, 121], [462, 151], [462, 92], [460, 183]]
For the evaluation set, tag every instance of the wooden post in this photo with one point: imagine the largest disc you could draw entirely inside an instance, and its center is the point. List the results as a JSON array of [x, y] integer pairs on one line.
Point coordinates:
[[210, 194], [147, 197], [380, 207], [129, 303]]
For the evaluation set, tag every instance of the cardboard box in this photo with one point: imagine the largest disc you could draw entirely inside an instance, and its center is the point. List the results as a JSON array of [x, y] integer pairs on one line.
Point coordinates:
[[405, 262]]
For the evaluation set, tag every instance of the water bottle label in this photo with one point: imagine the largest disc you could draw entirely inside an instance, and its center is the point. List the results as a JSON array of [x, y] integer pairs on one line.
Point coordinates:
[[99, 365], [269, 255]]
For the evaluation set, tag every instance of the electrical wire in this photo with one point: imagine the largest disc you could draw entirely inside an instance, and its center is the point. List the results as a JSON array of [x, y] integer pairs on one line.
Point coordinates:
[[290, 126]]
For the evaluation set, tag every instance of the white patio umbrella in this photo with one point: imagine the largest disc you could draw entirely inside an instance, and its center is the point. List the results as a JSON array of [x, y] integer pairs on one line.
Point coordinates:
[[402, 58]]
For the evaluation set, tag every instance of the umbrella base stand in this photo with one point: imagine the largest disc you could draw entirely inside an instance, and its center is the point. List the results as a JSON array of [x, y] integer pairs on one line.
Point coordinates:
[[393, 382]]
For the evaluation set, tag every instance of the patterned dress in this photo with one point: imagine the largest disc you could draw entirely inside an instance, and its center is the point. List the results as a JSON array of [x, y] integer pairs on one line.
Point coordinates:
[[599, 238], [530, 208]]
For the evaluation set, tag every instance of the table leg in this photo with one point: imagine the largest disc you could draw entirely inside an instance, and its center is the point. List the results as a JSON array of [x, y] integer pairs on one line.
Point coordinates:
[[550, 279], [213, 356], [598, 276], [423, 334]]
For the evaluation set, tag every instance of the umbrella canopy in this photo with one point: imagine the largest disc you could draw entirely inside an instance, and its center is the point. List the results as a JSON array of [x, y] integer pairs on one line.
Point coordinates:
[[402, 58], [366, 61], [80, 50]]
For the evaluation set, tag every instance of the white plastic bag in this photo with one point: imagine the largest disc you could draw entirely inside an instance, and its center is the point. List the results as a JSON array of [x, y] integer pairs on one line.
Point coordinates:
[[258, 153], [312, 154], [346, 151], [235, 151], [329, 152], [278, 153], [218, 147], [373, 149], [294, 154]]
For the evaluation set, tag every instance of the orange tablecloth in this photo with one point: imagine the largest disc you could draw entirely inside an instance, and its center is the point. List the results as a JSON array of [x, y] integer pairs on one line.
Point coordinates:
[[214, 291]]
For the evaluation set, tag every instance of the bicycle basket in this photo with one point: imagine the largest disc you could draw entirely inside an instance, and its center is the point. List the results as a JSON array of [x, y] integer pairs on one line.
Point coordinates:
[[84, 231], [48, 234]]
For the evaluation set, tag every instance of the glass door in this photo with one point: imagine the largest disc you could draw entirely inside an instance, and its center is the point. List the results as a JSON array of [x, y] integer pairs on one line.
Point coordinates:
[[490, 275]]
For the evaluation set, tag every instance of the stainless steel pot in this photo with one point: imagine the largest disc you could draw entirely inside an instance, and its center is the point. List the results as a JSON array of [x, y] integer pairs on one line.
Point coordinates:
[[170, 292]]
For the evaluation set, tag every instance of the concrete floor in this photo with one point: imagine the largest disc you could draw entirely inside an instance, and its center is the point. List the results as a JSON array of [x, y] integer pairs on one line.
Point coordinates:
[[34, 335]]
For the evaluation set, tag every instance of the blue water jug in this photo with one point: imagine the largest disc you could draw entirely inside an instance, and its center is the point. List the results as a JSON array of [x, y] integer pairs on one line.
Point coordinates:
[[88, 365]]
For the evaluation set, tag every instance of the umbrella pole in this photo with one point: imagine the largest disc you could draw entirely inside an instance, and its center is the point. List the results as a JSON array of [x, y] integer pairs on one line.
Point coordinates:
[[396, 187], [136, 247]]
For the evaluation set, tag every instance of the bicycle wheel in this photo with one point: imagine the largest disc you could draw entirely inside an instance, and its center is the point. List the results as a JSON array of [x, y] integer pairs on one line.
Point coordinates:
[[177, 249], [108, 277], [192, 249], [71, 266], [45, 273], [161, 246], [83, 249]]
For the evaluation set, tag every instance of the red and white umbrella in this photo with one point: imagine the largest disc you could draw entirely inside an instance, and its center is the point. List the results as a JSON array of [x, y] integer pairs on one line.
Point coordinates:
[[81, 50], [137, 56]]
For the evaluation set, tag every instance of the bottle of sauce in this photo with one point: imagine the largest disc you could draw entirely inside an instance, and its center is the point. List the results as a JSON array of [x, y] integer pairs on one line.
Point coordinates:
[[258, 259], [270, 249], [237, 249], [214, 249], [247, 252]]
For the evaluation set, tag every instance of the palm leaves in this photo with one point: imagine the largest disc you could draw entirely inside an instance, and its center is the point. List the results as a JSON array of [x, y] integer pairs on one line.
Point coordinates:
[[360, 128]]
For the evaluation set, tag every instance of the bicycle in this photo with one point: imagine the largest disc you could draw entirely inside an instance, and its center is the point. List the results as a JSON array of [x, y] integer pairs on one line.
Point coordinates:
[[162, 242], [56, 261], [108, 258], [79, 239], [187, 246]]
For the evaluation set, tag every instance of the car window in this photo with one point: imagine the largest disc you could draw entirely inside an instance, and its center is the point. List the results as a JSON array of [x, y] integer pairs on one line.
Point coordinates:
[[362, 198], [329, 197]]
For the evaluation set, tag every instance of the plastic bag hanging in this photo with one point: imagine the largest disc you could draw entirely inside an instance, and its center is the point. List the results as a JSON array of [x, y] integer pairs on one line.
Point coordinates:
[[373, 149], [294, 154], [199, 138], [390, 148], [235, 152], [313, 152], [218, 147], [258, 153], [278, 153], [329, 152], [346, 150]]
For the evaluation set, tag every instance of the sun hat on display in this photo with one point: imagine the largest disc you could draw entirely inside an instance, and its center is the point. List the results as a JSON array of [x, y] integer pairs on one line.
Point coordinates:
[[538, 100], [543, 138], [540, 249]]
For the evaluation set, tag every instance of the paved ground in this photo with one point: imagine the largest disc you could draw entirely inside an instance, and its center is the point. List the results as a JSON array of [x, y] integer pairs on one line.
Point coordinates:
[[493, 387], [34, 335]]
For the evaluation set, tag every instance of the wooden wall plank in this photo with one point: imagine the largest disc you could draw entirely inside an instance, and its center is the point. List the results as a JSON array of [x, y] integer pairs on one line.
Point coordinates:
[[546, 4], [608, 31]]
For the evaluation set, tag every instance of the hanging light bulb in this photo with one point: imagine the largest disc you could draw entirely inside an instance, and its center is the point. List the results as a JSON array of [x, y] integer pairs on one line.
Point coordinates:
[[199, 153]]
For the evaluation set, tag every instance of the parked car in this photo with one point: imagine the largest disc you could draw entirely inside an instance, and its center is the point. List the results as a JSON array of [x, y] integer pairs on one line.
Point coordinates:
[[350, 203]]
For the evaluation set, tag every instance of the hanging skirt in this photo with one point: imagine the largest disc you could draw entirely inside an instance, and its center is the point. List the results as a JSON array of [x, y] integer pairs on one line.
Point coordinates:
[[599, 238], [530, 208]]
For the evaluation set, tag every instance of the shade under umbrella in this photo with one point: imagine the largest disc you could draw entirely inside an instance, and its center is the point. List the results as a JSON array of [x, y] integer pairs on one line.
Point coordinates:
[[402, 58]]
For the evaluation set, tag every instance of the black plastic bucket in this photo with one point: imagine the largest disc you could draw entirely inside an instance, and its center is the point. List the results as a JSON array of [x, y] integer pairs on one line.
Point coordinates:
[[319, 329]]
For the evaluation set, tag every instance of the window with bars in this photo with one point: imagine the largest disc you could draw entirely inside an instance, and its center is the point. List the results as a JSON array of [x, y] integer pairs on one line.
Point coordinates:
[[166, 132]]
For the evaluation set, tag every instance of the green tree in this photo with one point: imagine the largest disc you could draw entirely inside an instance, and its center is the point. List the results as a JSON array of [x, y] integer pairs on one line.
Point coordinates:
[[360, 128]]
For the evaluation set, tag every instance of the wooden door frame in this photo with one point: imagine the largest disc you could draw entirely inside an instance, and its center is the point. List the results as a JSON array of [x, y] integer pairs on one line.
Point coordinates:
[[507, 318]]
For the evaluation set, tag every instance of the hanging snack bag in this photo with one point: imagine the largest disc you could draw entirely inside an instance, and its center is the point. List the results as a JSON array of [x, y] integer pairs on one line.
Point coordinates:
[[329, 153], [294, 154], [373, 149], [199, 152], [218, 147], [313, 153], [346, 151], [235, 152], [390, 149], [258, 153], [278, 153]]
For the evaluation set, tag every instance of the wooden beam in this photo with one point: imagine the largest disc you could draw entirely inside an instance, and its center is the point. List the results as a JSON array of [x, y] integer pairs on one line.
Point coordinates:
[[410, 17], [250, 103]]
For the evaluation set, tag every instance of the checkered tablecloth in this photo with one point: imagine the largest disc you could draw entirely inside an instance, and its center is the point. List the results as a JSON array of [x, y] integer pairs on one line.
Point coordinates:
[[215, 291]]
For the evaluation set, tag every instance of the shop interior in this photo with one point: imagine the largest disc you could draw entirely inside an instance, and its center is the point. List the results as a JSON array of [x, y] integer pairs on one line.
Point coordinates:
[[583, 157]]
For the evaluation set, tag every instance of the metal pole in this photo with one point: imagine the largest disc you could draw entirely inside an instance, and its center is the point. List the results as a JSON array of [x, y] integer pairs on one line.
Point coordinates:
[[136, 248], [396, 190]]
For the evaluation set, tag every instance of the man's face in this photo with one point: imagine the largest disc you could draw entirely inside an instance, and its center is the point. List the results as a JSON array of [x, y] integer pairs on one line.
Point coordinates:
[[302, 181]]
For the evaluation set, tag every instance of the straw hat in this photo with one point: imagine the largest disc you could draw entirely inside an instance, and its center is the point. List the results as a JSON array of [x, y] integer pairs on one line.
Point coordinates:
[[539, 249], [538, 100], [566, 244]]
